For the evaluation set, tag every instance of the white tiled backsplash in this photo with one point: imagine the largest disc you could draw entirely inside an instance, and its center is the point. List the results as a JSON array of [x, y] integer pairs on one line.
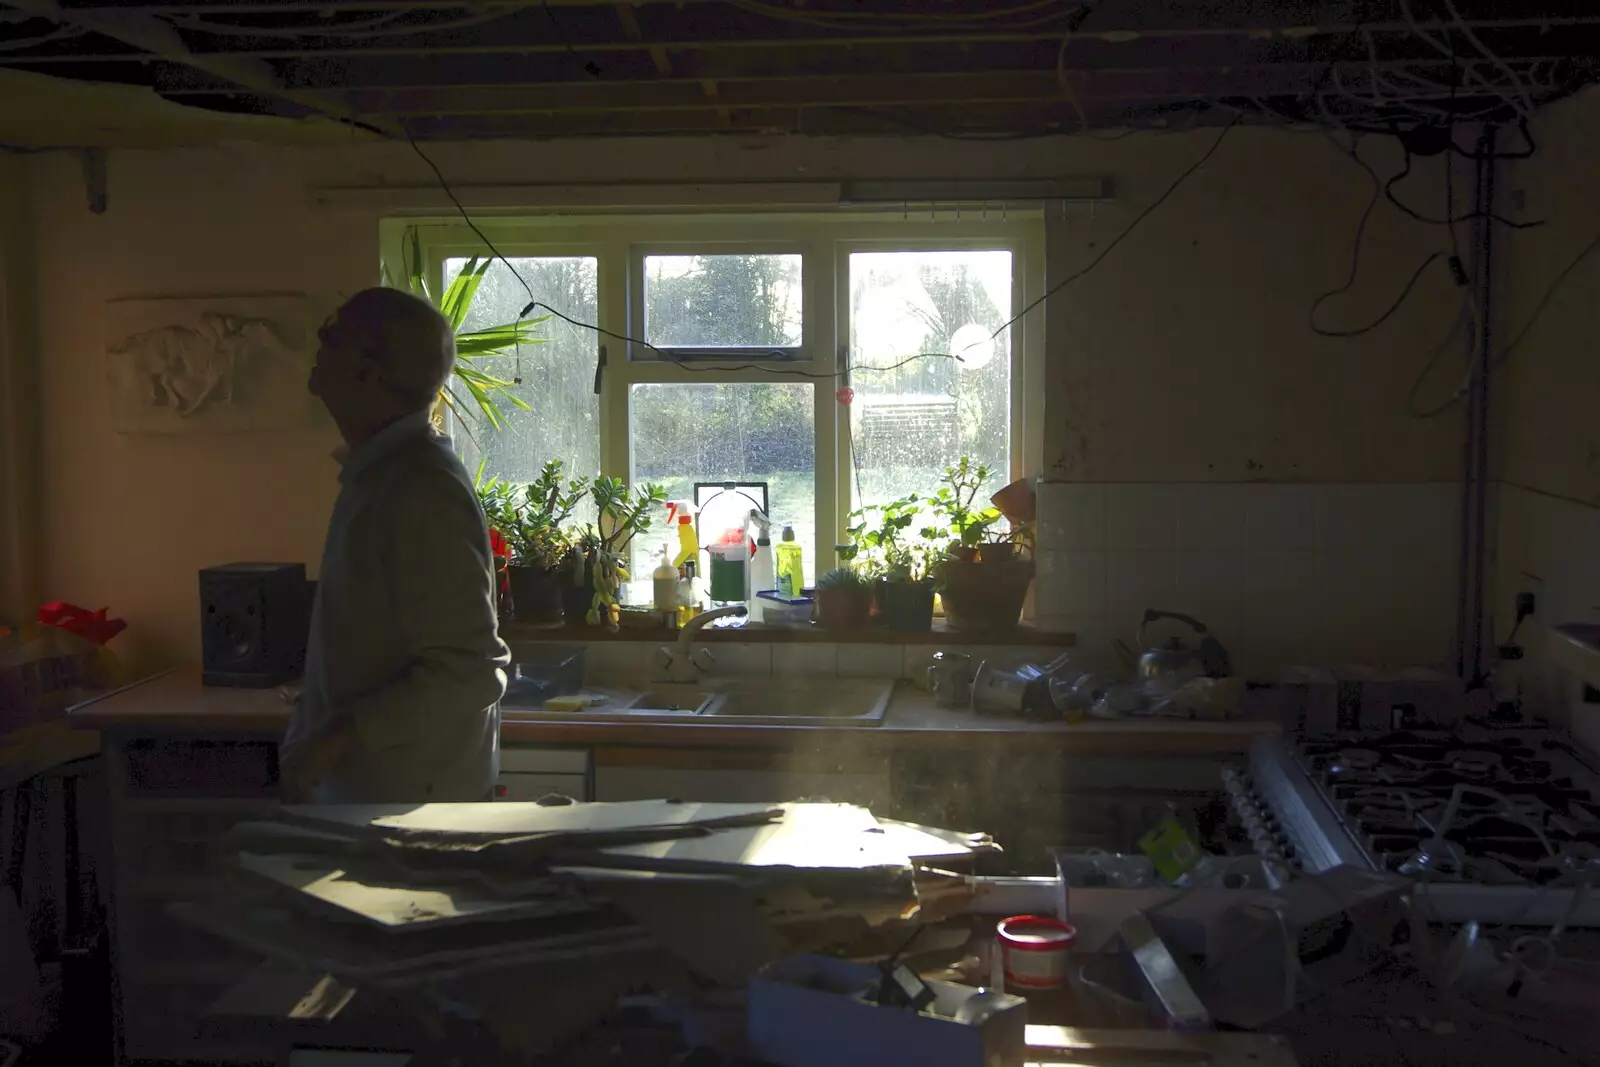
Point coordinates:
[[1550, 547], [1281, 573]]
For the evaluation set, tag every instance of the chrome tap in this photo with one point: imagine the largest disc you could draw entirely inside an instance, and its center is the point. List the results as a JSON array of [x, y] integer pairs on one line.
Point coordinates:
[[683, 662]]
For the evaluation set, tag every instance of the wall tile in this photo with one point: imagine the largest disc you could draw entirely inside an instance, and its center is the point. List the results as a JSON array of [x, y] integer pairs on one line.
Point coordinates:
[[1140, 517], [1136, 581], [1408, 515], [1281, 517], [1208, 587], [1073, 582], [815, 660], [1093, 650], [607, 660], [1211, 516], [742, 660], [1072, 515], [916, 659], [871, 661]]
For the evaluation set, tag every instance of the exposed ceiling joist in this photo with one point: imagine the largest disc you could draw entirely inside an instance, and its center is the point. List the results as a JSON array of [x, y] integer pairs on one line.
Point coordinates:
[[959, 68], [159, 39], [1004, 87]]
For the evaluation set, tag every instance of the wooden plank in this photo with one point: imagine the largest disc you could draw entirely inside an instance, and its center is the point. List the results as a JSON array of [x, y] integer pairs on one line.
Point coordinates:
[[276, 991], [348, 952], [1071, 1044], [816, 837], [398, 906], [522, 819]]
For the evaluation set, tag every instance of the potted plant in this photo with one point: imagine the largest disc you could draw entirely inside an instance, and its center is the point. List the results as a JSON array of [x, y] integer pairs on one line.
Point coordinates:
[[844, 599], [467, 378], [956, 500], [540, 546], [903, 563], [982, 580], [602, 552], [499, 509]]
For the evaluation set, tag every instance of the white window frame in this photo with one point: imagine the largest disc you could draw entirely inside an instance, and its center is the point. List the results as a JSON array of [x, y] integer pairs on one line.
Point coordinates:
[[825, 240], [791, 357]]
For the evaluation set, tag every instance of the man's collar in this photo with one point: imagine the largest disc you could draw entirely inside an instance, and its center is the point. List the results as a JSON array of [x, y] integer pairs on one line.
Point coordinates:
[[397, 433]]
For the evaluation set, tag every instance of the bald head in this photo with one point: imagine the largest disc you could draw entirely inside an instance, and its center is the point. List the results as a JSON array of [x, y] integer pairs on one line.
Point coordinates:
[[384, 355], [407, 337]]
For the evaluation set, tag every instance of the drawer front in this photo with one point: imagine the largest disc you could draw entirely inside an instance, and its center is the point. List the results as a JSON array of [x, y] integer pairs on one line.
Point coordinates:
[[534, 786], [520, 759]]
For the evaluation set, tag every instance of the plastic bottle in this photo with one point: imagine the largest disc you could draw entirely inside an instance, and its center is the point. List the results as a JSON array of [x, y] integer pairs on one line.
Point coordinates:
[[680, 513], [762, 577], [791, 568], [664, 583], [688, 602]]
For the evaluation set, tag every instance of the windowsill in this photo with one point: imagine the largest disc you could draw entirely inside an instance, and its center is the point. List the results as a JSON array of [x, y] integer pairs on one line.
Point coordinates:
[[758, 633]]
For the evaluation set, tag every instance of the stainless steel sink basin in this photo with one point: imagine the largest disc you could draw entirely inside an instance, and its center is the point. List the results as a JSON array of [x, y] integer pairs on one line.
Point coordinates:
[[763, 702], [842, 702], [671, 698], [623, 703]]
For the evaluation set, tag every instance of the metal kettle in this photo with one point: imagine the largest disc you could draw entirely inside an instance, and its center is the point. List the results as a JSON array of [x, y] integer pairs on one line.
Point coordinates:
[[1175, 662]]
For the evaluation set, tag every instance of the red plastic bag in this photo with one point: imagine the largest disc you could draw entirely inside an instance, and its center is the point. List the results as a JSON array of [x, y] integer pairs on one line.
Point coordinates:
[[89, 625]]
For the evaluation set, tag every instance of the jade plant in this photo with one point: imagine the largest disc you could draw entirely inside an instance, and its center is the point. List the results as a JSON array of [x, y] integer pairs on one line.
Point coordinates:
[[604, 545], [957, 502]]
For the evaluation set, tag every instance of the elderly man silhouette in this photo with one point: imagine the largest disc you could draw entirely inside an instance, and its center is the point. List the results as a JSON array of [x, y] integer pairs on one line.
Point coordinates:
[[405, 668]]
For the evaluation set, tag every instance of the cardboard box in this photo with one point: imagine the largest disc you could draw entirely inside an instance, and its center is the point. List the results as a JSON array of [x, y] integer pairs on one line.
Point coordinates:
[[804, 1013]]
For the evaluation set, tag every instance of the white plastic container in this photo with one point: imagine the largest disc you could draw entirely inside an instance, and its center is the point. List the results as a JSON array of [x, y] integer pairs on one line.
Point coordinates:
[[1035, 950]]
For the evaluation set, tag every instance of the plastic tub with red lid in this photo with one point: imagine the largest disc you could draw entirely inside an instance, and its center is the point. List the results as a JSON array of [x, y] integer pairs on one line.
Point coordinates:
[[1034, 950]]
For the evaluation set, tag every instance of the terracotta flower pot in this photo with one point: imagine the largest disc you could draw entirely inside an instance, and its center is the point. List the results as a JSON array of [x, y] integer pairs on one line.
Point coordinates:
[[997, 553], [848, 608], [986, 595]]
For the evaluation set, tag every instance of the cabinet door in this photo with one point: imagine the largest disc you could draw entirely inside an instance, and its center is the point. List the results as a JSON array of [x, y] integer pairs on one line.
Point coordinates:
[[737, 786]]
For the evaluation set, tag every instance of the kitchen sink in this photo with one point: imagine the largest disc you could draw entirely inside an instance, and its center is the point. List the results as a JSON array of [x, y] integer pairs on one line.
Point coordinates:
[[767, 702], [620, 703], [854, 702], [672, 699]]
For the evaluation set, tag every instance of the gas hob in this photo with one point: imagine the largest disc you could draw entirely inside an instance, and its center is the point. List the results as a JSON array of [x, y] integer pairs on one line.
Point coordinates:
[[1502, 826]]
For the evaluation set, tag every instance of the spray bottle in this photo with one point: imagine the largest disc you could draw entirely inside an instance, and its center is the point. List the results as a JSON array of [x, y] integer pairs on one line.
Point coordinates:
[[761, 565], [681, 514]]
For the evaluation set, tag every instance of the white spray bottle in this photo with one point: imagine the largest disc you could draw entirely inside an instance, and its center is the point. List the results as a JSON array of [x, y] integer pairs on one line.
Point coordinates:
[[761, 574]]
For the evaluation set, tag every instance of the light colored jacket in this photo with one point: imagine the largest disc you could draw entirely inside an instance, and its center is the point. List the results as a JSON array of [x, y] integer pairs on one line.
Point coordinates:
[[404, 640]]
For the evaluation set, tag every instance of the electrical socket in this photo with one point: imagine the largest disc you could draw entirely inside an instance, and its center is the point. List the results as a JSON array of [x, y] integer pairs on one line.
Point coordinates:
[[1525, 604]]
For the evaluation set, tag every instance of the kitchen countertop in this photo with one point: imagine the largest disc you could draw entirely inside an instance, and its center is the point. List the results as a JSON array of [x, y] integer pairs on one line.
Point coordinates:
[[176, 702]]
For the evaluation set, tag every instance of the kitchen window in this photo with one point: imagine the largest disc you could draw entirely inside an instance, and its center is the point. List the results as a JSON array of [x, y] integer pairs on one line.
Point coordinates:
[[724, 346]]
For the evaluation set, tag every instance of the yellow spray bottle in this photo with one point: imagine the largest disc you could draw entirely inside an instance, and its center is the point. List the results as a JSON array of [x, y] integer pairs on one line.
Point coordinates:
[[679, 513]]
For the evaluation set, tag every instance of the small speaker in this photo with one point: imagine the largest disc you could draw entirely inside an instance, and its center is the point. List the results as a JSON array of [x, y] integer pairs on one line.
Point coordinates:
[[254, 621]]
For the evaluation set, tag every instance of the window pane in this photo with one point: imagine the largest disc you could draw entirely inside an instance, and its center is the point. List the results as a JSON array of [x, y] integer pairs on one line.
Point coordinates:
[[684, 434], [910, 423], [563, 420], [722, 301]]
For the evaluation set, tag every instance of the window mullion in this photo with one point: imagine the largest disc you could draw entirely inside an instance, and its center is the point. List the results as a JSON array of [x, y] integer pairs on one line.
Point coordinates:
[[615, 452]]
